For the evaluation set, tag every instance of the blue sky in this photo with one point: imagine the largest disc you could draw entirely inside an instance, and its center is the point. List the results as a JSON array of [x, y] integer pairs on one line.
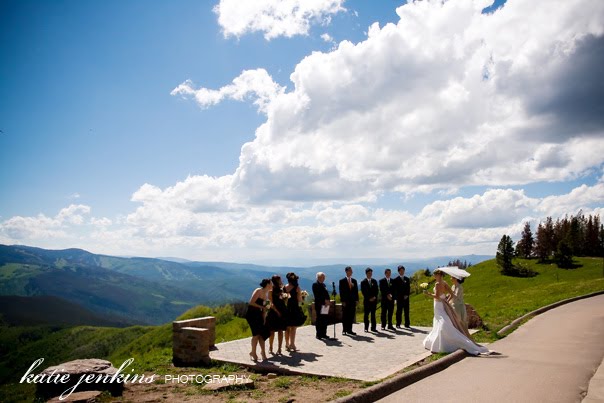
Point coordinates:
[[89, 121], [85, 97]]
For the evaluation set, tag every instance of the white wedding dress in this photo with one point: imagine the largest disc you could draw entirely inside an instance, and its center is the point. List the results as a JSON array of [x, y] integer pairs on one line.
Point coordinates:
[[445, 336]]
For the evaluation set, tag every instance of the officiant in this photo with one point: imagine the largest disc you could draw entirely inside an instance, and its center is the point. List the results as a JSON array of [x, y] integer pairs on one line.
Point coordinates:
[[321, 296]]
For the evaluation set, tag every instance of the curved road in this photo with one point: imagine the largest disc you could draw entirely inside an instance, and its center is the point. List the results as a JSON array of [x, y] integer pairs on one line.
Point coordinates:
[[551, 358]]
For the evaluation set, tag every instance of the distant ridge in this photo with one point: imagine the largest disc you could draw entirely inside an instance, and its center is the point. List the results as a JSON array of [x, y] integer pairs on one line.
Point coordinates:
[[49, 310], [153, 290]]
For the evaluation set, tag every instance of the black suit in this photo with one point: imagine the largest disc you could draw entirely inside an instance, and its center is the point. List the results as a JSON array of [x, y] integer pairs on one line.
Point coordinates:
[[369, 290], [349, 297], [402, 291], [387, 288], [319, 291]]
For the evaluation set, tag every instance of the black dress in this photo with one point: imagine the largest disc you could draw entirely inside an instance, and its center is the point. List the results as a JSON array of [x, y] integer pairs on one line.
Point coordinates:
[[255, 319], [275, 322], [296, 316]]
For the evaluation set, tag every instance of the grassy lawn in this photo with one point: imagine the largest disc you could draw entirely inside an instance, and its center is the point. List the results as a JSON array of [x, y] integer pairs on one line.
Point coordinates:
[[500, 299]]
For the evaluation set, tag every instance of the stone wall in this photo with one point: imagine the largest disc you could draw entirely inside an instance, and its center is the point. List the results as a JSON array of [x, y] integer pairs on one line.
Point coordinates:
[[192, 340]]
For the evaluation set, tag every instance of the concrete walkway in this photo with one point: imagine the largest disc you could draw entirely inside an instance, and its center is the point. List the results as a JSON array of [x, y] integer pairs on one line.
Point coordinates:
[[551, 358], [595, 393], [365, 357]]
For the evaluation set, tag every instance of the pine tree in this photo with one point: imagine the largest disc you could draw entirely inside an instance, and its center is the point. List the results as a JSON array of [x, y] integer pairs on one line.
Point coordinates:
[[524, 247], [541, 244], [592, 236], [601, 252], [564, 254], [505, 253]]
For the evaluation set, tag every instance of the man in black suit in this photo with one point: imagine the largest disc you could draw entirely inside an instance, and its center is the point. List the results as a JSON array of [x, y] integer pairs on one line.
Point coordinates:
[[349, 296], [321, 295], [387, 290], [402, 286], [370, 290]]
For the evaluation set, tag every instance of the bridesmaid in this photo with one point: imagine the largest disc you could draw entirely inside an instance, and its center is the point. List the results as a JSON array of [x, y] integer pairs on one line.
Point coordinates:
[[276, 320], [457, 301], [255, 317], [296, 317]]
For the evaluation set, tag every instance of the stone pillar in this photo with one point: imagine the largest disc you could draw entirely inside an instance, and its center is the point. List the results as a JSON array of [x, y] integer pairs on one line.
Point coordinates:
[[191, 341]]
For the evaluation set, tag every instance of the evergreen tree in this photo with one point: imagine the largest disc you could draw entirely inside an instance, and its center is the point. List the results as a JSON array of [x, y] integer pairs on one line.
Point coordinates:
[[576, 234], [505, 253], [524, 247], [551, 236], [457, 262], [541, 244], [592, 236], [564, 255], [601, 241]]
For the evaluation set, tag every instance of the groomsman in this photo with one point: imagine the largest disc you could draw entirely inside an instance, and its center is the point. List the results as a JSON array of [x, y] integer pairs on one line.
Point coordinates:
[[370, 290], [349, 295], [321, 295], [402, 287], [387, 290]]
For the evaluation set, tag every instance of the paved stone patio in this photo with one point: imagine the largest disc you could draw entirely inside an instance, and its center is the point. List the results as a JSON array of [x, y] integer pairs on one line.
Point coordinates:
[[365, 357]]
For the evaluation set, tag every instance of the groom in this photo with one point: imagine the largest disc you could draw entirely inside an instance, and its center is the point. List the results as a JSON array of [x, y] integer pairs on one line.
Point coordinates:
[[387, 291], [349, 295], [402, 286]]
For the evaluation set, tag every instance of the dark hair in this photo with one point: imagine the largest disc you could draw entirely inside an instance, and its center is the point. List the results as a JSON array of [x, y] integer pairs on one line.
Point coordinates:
[[459, 280], [275, 280], [369, 269], [387, 271], [292, 278], [347, 269], [265, 282], [401, 267]]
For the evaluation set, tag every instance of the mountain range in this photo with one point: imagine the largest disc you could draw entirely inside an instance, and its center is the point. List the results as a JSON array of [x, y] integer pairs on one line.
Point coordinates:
[[136, 290]]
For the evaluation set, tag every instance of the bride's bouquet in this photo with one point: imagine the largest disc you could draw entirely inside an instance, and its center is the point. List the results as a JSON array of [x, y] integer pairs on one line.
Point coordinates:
[[284, 296], [304, 294], [424, 286]]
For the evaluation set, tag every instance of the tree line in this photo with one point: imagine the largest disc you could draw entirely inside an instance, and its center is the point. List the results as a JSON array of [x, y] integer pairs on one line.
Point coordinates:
[[558, 241]]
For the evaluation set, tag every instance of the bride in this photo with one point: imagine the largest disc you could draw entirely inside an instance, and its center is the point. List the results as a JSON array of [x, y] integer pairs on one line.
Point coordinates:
[[448, 333]]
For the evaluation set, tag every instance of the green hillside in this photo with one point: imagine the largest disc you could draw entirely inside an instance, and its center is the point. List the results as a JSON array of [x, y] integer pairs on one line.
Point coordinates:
[[48, 310], [99, 290], [499, 299], [150, 346]]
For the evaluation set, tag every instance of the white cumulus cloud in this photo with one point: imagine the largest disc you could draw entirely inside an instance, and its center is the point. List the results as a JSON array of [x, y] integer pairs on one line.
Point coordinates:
[[256, 85], [445, 98], [274, 18]]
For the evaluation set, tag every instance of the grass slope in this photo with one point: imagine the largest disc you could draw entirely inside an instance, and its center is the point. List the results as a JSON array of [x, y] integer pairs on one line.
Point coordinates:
[[499, 299]]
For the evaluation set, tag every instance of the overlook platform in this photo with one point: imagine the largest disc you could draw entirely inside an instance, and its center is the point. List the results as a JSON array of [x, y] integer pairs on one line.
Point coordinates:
[[364, 357]]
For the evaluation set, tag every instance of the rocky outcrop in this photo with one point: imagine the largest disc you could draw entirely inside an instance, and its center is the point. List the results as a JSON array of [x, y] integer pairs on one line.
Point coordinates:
[[90, 396], [89, 375], [474, 319]]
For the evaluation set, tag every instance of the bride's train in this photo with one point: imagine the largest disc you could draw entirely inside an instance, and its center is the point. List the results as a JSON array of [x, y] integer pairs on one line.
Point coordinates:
[[448, 334]]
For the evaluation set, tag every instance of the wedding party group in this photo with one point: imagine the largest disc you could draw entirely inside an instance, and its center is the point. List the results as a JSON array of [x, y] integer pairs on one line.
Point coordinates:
[[274, 308]]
